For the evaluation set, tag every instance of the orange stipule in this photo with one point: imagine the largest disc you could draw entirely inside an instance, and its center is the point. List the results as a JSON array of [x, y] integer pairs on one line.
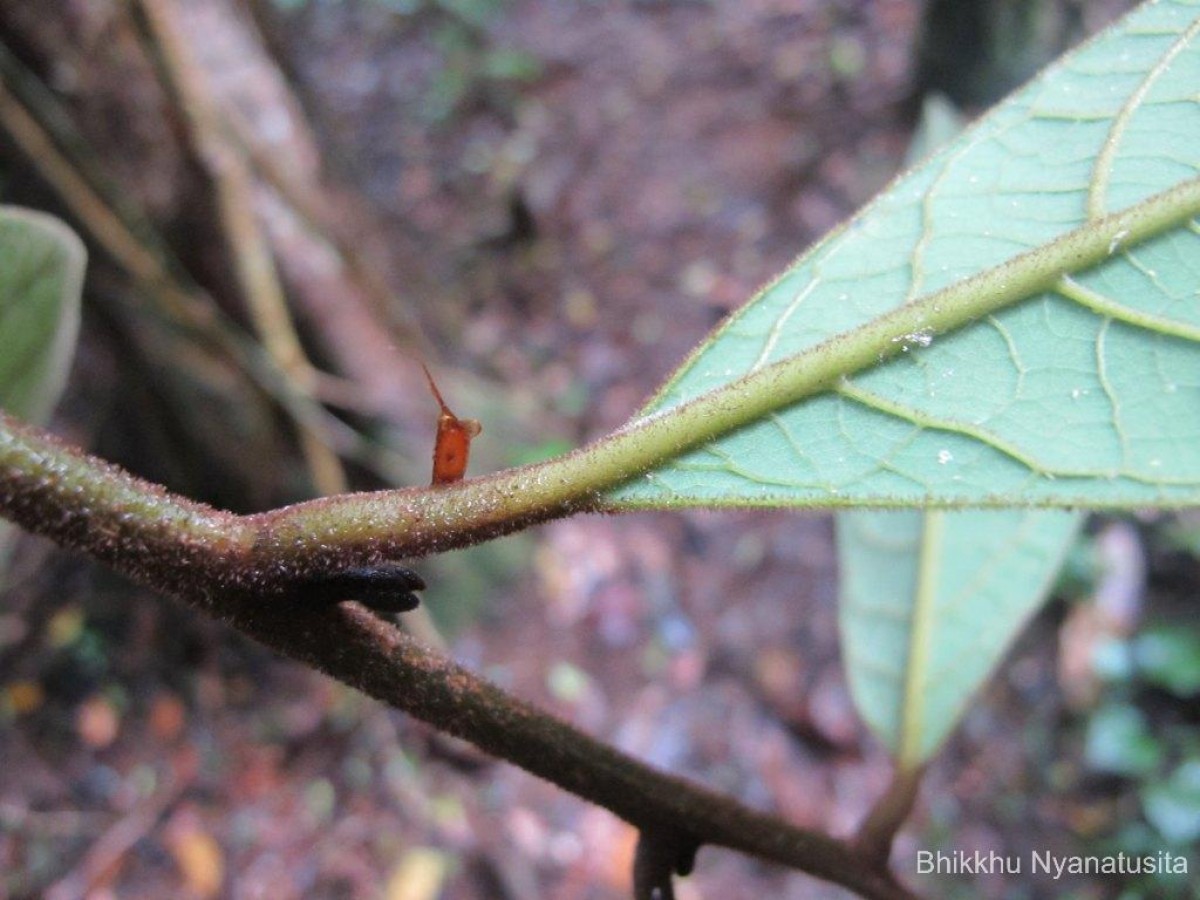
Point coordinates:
[[453, 444]]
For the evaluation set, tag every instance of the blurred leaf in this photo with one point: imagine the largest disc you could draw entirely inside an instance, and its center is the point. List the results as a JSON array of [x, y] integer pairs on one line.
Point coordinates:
[[419, 875], [847, 57], [478, 13], [1084, 394], [940, 123], [1173, 806], [1112, 660], [567, 683], [1118, 743], [320, 799], [199, 858], [97, 722], [1184, 535], [65, 627], [929, 604], [400, 7], [41, 278], [447, 89], [463, 584], [1081, 569], [511, 65], [19, 698], [167, 717], [1169, 657], [525, 454]]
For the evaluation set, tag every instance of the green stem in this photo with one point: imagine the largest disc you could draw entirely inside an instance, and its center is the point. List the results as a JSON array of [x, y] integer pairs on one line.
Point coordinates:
[[157, 538], [415, 522]]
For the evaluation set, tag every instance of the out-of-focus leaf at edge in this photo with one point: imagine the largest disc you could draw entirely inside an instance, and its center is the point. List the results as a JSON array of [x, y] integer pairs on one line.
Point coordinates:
[[41, 276], [1119, 743], [1086, 395], [929, 604], [930, 601], [1168, 656], [1173, 806]]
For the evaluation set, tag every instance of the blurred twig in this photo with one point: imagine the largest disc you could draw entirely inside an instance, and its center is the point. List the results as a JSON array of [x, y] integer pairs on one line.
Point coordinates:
[[314, 211], [108, 224], [254, 265], [108, 849]]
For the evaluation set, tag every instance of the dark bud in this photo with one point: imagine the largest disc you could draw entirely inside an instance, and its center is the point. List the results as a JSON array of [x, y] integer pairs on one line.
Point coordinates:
[[685, 858], [661, 853], [383, 588]]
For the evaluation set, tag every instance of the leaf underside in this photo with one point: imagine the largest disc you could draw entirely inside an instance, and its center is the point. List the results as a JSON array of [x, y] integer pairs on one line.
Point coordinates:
[[1087, 395], [930, 601]]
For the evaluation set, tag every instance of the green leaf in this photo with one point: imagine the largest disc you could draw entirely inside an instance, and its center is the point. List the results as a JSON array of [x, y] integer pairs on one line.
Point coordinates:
[[1173, 806], [1014, 322], [1168, 657], [41, 276], [1119, 743], [930, 602]]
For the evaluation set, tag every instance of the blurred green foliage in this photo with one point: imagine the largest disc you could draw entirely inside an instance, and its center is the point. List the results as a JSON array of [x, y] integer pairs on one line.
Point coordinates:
[[1147, 734]]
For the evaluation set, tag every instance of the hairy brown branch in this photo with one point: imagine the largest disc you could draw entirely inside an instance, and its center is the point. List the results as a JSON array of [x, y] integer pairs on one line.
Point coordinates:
[[217, 561]]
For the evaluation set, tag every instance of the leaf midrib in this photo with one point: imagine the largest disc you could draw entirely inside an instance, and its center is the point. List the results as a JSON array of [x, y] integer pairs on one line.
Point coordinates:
[[818, 369]]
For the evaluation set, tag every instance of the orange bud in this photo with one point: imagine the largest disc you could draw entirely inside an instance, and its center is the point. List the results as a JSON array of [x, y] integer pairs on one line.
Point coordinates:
[[453, 444]]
